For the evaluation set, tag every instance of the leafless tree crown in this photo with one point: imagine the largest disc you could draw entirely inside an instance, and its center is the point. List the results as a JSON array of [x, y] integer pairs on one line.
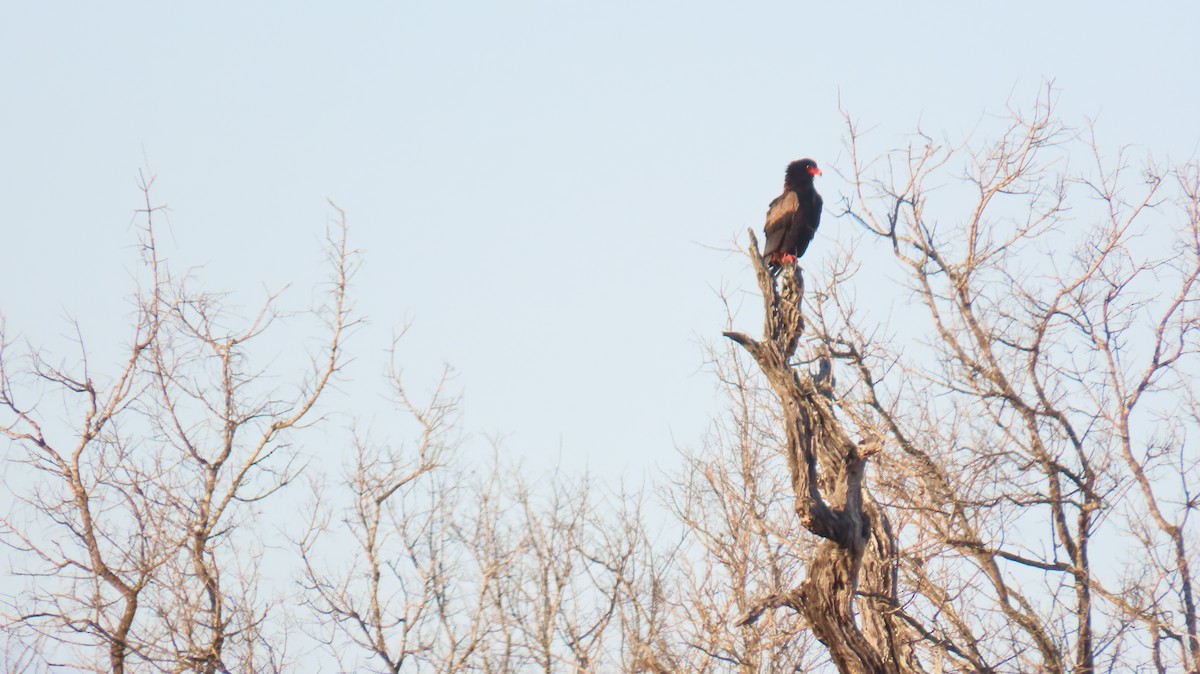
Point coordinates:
[[988, 466], [1030, 424]]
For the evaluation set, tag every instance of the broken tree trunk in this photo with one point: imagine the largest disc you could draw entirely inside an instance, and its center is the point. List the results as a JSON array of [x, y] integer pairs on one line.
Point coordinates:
[[856, 559]]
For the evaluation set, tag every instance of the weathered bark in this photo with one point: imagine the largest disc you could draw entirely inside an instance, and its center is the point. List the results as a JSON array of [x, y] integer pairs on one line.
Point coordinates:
[[857, 556]]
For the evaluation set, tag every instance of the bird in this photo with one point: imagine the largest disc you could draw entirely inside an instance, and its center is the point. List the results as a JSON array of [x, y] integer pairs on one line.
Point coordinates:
[[793, 217]]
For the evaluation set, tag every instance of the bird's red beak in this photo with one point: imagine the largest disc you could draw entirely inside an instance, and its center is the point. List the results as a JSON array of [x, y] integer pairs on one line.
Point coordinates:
[[814, 171]]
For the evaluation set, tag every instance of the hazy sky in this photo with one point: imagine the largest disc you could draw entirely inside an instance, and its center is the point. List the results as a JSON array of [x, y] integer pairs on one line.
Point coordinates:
[[545, 190]]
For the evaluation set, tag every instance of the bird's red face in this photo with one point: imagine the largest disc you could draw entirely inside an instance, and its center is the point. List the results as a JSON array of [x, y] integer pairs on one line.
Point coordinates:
[[813, 170]]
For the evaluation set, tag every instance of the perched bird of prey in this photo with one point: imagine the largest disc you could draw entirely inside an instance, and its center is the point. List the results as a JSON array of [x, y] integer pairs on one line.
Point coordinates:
[[793, 216]]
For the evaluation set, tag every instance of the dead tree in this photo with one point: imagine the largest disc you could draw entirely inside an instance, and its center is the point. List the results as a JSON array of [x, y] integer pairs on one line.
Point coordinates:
[[853, 570]]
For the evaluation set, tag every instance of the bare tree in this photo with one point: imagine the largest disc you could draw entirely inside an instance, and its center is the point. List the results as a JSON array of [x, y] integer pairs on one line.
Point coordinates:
[[137, 536], [393, 597], [1036, 406], [458, 570]]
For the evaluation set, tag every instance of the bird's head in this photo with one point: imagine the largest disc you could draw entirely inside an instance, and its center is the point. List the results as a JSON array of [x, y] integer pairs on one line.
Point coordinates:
[[808, 166], [801, 170]]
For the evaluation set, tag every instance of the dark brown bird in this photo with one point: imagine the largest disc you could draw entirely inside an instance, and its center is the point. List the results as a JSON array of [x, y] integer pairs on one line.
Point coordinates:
[[793, 216]]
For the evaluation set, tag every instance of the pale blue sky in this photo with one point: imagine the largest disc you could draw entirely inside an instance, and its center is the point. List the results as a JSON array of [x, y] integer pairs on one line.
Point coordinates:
[[538, 186]]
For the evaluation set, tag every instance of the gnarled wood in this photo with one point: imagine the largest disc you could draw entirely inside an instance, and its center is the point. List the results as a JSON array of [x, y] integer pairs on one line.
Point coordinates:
[[827, 472]]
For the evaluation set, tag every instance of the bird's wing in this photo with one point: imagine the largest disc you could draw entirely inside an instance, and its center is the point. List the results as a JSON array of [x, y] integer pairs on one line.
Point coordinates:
[[807, 220], [779, 220]]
